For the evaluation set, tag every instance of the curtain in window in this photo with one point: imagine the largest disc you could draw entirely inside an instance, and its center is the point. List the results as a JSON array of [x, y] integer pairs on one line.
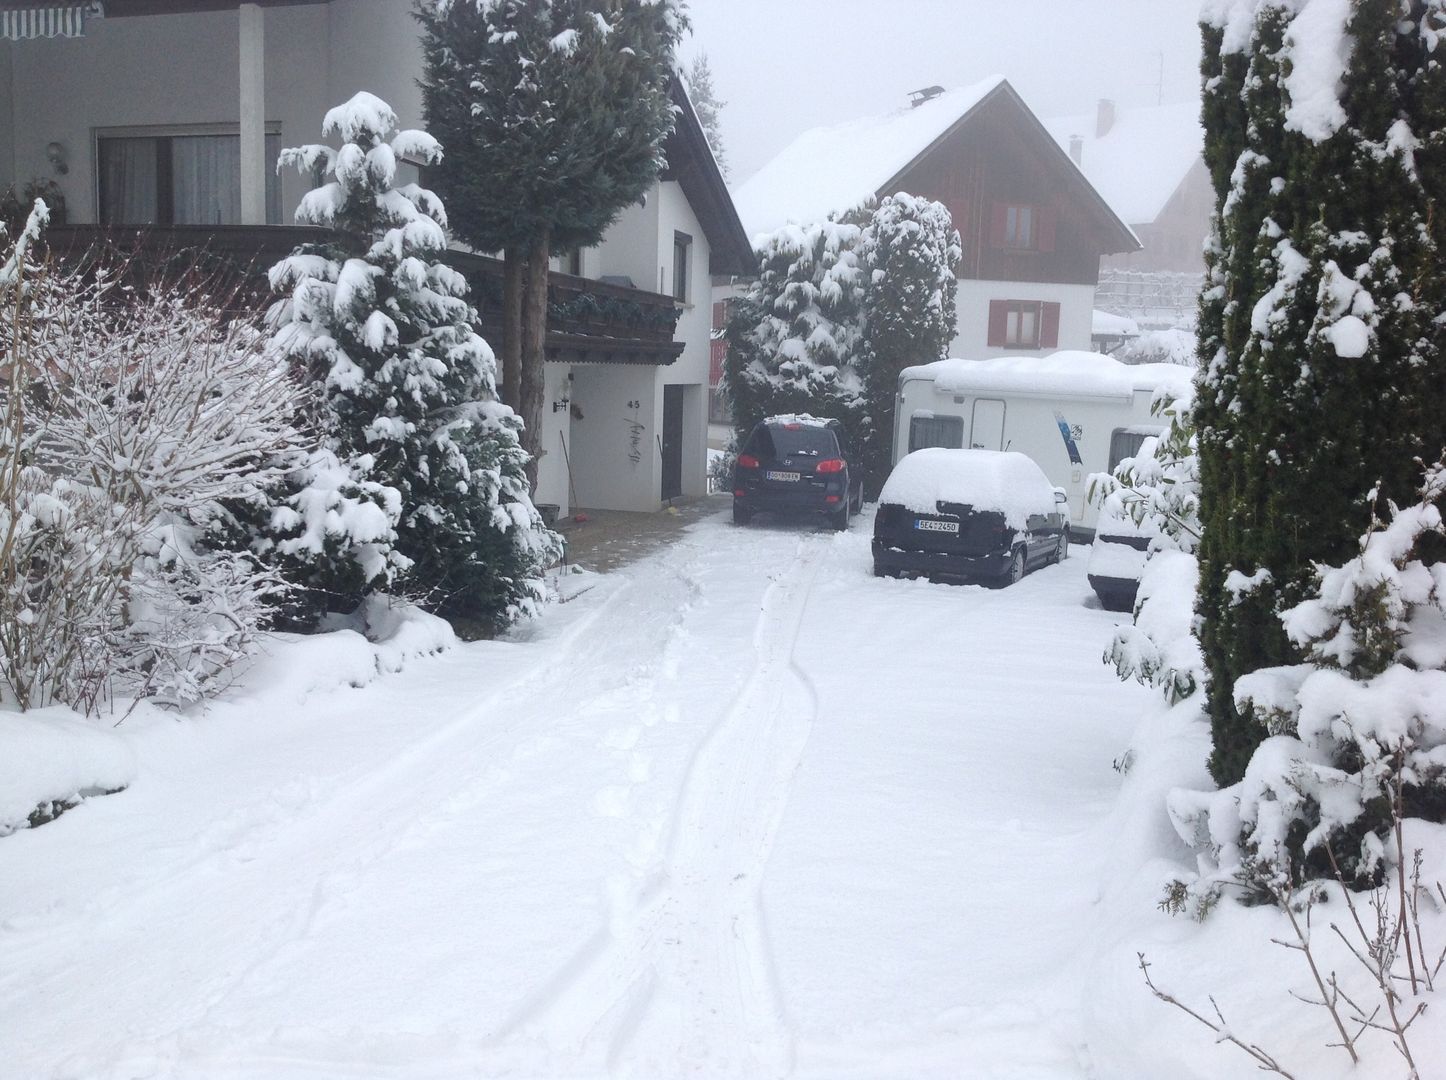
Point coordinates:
[[128, 181], [206, 179]]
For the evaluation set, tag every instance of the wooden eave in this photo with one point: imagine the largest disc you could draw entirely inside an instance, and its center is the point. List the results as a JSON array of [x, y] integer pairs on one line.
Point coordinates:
[[691, 163], [1114, 235]]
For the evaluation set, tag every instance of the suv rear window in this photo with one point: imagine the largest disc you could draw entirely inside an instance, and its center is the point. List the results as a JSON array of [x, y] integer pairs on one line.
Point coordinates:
[[801, 439]]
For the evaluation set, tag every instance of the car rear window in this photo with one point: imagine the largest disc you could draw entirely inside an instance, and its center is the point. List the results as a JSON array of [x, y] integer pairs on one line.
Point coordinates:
[[803, 439]]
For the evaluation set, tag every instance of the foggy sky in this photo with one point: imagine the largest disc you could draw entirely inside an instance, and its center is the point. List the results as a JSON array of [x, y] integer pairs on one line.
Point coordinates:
[[784, 66]]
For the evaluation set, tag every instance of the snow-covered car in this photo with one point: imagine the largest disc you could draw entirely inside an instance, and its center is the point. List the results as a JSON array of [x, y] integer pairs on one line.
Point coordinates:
[[970, 514], [1117, 558], [797, 465]]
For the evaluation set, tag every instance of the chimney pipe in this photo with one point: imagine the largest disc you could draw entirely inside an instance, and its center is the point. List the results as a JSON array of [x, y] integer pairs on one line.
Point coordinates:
[[1104, 117], [1076, 149]]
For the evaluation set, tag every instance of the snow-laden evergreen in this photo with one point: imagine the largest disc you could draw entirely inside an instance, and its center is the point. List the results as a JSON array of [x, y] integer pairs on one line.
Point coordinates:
[[1356, 732], [911, 251], [414, 432], [1323, 373], [708, 106], [796, 334]]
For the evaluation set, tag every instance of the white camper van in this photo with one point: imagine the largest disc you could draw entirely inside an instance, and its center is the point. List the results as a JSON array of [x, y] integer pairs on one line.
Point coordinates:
[[1073, 413]]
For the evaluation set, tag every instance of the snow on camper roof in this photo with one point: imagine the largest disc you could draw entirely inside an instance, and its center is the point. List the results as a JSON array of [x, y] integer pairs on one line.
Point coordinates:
[[1141, 160], [832, 169], [1063, 374]]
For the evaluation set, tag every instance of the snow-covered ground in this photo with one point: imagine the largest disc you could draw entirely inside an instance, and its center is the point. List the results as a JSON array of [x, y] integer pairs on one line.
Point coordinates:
[[739, 810]]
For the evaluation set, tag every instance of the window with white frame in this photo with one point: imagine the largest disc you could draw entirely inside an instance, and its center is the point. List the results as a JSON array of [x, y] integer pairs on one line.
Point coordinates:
[[178, 176]]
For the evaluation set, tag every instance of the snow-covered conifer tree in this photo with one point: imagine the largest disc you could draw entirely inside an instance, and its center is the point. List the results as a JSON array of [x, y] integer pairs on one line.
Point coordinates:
[[911, 250], [796, 334], [699, 77], [1321, 338], [409, 393]]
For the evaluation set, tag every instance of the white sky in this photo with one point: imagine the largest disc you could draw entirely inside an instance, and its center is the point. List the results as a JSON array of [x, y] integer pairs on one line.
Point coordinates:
[[784, 66]]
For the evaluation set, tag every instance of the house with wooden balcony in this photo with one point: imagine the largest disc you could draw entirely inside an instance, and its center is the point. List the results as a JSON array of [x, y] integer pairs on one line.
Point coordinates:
[[1033, 228], [158, 124]]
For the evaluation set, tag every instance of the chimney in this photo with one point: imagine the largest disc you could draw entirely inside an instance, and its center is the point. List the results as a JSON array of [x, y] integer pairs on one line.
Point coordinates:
[[929, 93], [1076, 149], [1104, 117]]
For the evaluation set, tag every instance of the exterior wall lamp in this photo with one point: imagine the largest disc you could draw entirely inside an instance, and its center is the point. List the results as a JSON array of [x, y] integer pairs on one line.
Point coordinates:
[[55, 154]]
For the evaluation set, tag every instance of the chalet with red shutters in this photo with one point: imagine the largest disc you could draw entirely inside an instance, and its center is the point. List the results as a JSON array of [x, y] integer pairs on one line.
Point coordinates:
[[1033, 228]]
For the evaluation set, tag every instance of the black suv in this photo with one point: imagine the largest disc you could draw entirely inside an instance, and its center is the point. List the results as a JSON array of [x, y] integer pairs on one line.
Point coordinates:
[[797, 465]]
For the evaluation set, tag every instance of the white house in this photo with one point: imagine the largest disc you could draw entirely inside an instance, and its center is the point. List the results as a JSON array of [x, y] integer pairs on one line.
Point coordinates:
[[169, 115], [1033, 228]]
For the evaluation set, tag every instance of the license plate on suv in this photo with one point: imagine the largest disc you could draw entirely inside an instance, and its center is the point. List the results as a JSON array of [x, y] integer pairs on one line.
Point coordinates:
[[930, 525], [791, 477]]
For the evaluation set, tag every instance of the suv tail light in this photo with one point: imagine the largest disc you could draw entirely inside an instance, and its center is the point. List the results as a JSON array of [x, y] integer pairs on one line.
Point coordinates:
[[830, 465], [747, 461]]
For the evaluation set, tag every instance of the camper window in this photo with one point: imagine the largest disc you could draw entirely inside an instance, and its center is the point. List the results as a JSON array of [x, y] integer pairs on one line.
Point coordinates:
[[945, 431], [1126, 443]]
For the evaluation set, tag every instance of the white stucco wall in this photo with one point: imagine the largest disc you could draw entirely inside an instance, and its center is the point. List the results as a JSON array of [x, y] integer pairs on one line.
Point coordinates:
[[695, 326], [605, 440], [630, 248], [552, 486], [1076, 315]]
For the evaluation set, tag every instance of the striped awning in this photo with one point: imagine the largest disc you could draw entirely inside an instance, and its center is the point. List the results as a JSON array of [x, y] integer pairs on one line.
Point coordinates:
[[40, 20]]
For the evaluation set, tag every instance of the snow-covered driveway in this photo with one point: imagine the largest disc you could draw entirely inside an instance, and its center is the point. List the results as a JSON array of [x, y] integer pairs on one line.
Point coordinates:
[[740, 810]]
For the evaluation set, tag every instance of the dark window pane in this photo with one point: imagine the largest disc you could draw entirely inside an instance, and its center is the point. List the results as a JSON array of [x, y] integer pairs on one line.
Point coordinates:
[[805, 439]]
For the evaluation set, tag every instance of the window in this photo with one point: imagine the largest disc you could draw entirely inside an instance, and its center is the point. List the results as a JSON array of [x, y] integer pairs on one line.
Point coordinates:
[[1023, 324], [574, 262], [178, 179], [926, 430], [1019, 227], [1126, 442], [682, 254]]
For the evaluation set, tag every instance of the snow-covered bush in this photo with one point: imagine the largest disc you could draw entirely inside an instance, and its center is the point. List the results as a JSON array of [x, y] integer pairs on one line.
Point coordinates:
[[1175, 345], [135, 421], [424, 481], [1159, 490], [1355, 736]]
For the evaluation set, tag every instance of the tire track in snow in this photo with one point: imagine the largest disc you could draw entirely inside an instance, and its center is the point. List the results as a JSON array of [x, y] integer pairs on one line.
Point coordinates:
[[451, 767], [682, 979]]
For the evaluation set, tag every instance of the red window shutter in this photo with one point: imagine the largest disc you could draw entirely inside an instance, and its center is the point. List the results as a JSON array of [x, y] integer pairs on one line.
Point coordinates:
[[998, 223], [717, 353], [718, 317], [1049, 327], [998, 323], [1047, 219]]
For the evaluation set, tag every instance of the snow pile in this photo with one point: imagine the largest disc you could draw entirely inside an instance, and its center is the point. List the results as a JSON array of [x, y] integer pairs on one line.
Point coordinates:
[[1067, 373], [989, 480], [53, 756], [834, 169], [1103, 324]]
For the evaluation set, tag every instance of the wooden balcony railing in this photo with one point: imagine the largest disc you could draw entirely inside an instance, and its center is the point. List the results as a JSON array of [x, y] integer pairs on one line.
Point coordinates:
[[587, 321]]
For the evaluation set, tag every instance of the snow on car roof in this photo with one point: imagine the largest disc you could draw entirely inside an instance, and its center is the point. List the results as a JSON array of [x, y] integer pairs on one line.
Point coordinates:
[[802, 419], [1063, 374], [1003, 481], [833, 169]]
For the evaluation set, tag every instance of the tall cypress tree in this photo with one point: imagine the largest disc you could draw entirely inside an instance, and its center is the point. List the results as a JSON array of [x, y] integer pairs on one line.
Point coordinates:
[[1322, 370], [910, 316], [553, 113]]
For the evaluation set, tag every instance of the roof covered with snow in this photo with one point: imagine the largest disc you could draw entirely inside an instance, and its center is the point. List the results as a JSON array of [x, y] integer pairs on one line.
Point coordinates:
[[1062, 374], [836, 168], [1140, 160]]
